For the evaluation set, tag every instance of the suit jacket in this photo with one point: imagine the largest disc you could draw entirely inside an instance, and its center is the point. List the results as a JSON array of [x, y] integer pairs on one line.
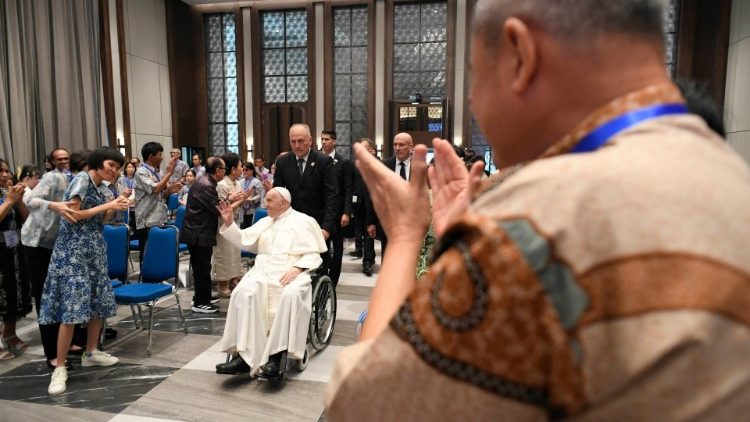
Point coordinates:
[[315, 192], [390, 162], [344, 170]]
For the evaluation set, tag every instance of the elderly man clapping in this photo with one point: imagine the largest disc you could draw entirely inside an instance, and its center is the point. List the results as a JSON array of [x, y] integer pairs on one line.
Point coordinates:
[[269, 311]]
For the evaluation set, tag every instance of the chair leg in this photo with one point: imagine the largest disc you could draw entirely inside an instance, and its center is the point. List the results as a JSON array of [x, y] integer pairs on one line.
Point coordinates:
[[150, 326], [140, 315], [101, 334], [182, 317], [135, 319]]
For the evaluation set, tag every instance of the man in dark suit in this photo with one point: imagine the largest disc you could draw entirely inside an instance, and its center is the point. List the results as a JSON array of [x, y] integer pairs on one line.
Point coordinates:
[[311, 179], [403, 144], [362, 212], [343, 169]]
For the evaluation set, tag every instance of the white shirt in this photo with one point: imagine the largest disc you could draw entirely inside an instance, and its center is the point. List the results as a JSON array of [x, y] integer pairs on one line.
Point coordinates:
[[304, 164], [407, 165]]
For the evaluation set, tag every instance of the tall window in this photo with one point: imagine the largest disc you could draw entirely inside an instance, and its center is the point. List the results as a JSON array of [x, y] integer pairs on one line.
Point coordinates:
[[221, 63], [284, 56], [350, 75], [670, 35], [420, 39]]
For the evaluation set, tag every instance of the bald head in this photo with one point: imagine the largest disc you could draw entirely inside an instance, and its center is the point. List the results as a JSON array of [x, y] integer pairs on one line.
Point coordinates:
[[539, 67], [403, 144], [573, 20]]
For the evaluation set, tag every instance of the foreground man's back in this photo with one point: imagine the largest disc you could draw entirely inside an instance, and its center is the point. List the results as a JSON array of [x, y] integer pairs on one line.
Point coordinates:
[[601, 283]]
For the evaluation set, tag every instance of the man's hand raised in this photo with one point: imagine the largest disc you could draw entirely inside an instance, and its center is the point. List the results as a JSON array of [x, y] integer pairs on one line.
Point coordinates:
[[453, 187], [402, 207]]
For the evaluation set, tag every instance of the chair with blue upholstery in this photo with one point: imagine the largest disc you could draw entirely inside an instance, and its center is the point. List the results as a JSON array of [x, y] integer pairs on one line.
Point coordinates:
[[116, 238], [160, 264], [179, 219], [259, 213], [173, 202]]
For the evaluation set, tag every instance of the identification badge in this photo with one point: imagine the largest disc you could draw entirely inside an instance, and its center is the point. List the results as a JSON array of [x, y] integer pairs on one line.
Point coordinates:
[[354, 199], [11, 238]]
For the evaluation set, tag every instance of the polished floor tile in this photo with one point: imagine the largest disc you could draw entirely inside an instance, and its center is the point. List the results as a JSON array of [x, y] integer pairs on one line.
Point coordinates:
[[169, 320], [30, 412], [107, 389], [191, 395]]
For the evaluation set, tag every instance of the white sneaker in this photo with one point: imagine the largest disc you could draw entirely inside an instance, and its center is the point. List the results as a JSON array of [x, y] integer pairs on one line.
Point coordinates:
[[57, 384], [98, 358]]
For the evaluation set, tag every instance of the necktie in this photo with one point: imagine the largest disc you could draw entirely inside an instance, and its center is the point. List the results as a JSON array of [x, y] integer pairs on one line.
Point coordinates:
[[301, 166], [402, 172]]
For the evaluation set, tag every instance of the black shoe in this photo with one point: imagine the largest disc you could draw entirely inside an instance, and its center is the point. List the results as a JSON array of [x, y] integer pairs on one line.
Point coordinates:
[[271, 368], [367, 269], [68, 365], [233, 367], [205, 309], [357, 254]]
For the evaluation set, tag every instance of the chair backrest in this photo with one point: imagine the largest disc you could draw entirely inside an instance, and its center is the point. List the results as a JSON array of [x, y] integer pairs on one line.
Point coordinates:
[[173, 202], [116, 237], [179, 217], [160, 260], [259, 213]]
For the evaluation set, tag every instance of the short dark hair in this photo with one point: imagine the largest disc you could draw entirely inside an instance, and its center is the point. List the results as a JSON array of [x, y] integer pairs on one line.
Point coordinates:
[[102, 154], [197, 154], [329, 132], [230, 159], [150, 148], [213, 164], [79, 160], [28, 170]]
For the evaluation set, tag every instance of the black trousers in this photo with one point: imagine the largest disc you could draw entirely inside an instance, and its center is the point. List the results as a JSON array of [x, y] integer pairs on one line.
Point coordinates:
[[200, 260], [336, 251], [247, 221], [37, 263], [142, 236]]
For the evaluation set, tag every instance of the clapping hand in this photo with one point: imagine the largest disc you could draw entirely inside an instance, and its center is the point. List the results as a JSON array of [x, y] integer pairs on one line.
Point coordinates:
[[453, 187], [226, 213], [15, 192], [267, 184], [402, 206], [120, 203], [171, 165]]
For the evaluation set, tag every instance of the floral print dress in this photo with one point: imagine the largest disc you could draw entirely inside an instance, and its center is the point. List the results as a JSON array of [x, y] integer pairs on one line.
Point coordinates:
[[78, 288]]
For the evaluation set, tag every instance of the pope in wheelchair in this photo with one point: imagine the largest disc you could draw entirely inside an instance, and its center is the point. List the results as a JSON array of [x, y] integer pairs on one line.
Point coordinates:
[[269, 310]]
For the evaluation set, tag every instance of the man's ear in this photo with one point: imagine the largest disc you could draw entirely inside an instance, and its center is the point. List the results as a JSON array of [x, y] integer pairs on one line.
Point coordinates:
[[520, 47]]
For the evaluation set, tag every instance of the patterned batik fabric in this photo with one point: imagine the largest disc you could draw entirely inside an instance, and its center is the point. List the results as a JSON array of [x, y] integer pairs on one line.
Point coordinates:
[[78, 288], [472, 305]]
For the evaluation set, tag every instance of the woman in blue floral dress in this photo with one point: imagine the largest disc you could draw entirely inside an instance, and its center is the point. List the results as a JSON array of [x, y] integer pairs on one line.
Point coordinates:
[[78, 289]]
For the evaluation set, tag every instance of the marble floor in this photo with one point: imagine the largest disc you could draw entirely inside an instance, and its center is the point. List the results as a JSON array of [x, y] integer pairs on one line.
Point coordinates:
[[178, 381]]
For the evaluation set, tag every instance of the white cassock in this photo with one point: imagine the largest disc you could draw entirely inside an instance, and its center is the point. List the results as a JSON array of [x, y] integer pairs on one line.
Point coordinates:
[[265, 318]]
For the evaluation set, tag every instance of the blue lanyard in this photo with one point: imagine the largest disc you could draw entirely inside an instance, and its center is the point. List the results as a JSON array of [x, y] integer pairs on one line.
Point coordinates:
[[157, 175], [605, 132]]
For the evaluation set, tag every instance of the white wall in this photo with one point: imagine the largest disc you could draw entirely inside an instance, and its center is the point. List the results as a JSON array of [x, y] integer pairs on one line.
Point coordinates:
[[148, 74], [737, 98]]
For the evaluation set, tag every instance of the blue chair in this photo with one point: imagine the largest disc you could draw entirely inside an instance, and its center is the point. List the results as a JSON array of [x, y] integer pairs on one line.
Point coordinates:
[[116, 238], [179, 219], [259, 213], [160, 263], [173, 202]]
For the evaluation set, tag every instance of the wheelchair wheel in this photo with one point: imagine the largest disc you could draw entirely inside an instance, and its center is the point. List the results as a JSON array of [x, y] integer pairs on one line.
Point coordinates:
[[323, 316], [302, 363]]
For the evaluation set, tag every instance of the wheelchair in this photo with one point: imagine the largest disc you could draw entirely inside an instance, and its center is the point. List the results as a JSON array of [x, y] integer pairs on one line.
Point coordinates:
[[320, 331]]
